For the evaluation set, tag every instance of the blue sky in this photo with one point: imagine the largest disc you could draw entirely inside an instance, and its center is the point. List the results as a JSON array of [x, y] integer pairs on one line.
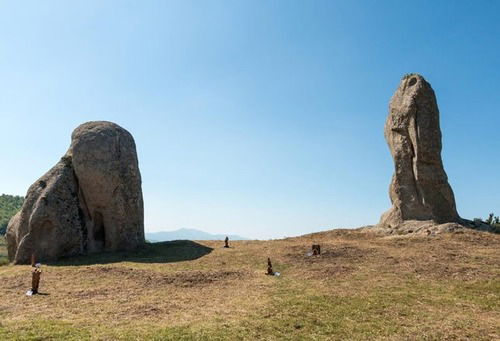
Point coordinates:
[[258, 118]]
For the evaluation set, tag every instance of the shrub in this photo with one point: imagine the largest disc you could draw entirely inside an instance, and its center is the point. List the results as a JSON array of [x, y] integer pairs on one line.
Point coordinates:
[[9, 205]]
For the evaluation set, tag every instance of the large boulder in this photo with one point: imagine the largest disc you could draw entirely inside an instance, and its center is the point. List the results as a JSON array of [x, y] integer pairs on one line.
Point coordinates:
[[90, 201], [419, 190]]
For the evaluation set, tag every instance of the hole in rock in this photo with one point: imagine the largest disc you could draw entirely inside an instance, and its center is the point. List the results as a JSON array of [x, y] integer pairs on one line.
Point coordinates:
[[99, 231], [412, 82]]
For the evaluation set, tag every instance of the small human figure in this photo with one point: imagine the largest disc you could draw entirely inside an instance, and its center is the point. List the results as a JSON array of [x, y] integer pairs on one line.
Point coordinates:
[[269, 267], [316, 249], [35, 278], [226, 242]]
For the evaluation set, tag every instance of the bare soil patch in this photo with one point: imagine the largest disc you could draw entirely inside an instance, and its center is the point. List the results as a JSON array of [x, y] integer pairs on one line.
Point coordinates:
[[148, 278]]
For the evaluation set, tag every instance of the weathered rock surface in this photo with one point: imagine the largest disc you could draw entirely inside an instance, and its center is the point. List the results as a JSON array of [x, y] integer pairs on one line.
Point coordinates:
[[419, 190], [90, 201]]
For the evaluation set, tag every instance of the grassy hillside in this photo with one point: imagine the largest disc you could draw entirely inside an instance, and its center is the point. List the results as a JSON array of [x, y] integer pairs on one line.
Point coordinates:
[[9, 205], [363, 287]]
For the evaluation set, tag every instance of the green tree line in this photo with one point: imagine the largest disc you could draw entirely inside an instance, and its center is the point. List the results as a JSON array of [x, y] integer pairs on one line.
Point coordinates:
[[492, 220], [9, 205]]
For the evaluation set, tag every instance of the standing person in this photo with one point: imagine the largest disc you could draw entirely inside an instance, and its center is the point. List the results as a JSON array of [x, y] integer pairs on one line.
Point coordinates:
[[35, 278], [269, 267], [36, 273]]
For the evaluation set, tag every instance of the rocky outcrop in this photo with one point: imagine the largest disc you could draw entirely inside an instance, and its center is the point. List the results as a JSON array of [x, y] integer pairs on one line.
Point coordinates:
[[90, 201], [419, 190]]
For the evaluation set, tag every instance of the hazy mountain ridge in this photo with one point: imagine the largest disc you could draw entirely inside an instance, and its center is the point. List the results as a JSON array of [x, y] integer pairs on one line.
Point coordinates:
[[188, 234]]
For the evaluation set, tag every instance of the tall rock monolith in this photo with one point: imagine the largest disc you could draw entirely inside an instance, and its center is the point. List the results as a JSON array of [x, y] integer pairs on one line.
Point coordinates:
[[419, 190], [90, 201]]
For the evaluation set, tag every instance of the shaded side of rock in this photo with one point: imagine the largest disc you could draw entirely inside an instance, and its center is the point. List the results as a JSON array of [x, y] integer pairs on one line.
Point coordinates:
[[419, 190], [49, 224]]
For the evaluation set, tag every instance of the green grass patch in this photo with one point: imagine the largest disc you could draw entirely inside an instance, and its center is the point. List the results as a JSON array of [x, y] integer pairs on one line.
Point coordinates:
[[44, 330], [54, 330], [407, 309]]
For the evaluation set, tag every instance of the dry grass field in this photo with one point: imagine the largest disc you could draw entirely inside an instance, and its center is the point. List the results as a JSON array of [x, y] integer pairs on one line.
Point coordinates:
[[362, 287]]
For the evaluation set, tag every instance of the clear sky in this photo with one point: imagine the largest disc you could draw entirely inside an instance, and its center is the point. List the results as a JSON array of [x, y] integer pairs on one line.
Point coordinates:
[[259, 118]]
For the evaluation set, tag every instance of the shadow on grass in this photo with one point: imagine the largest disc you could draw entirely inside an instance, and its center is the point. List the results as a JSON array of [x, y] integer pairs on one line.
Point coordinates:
[[162, 252]]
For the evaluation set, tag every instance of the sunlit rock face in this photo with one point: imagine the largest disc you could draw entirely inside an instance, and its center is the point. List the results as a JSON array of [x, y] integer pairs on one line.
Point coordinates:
[[419, 189], [90, 201]]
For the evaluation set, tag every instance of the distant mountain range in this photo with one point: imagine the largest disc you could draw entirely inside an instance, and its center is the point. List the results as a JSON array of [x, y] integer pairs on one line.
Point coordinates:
[[188, 234]]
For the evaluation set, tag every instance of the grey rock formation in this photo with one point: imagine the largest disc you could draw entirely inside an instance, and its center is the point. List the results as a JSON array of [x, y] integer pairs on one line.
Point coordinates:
[[89, 201], [419, 190]]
